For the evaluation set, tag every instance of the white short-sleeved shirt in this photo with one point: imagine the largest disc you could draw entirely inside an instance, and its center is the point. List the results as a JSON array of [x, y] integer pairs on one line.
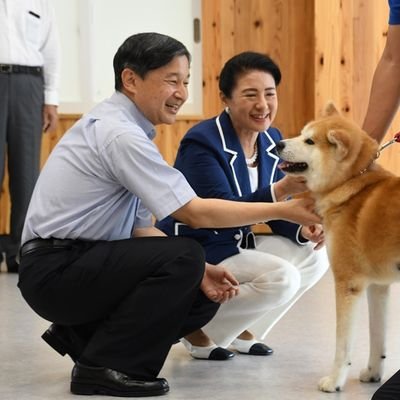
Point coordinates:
[[29, 36], [104, 177]]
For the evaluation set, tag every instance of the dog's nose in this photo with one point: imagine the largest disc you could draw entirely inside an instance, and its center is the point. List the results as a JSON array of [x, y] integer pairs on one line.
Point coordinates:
[[280, 146]]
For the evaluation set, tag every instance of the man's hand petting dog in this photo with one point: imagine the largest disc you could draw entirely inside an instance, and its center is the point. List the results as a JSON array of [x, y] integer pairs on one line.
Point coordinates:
[[218, 284], [301, 211], [289, 186]]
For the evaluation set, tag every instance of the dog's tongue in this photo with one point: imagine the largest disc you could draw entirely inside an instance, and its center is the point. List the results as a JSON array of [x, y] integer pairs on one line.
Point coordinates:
[[291, 167]]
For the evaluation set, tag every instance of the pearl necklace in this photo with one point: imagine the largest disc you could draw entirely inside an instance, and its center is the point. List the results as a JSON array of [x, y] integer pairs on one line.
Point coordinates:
[[253, 158]]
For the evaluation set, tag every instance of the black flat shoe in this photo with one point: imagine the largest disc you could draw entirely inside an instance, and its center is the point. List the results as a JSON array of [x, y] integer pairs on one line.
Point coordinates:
[[252, 347], [220, 354], [260, 349], [64, 341], [87, 380]]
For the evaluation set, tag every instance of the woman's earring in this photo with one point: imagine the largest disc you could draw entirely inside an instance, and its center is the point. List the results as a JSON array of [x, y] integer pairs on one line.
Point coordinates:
[[227, 110]]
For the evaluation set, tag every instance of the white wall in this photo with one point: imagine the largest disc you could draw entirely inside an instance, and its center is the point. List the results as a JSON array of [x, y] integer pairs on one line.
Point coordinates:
[[91, 32]]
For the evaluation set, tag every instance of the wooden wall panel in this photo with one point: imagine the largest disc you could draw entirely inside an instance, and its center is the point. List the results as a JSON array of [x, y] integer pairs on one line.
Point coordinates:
[[333, 54], [350, 37], [284, 29], [51, 139], [169, 136], [281, 28], [370, 29], [218, 46]]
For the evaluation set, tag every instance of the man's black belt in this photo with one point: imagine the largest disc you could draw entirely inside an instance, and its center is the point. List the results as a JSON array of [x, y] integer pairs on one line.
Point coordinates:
[[36, 244], [20, 69]]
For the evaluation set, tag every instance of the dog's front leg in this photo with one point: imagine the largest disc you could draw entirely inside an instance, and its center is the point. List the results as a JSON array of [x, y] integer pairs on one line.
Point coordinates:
[[347, 299], [377, 304]]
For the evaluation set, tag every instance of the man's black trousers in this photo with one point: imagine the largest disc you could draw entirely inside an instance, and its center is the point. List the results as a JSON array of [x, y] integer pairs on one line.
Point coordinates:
[[133, 297]]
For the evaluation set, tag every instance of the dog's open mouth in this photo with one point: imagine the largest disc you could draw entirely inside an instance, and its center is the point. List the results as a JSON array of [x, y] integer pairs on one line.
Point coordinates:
[[287, 166]]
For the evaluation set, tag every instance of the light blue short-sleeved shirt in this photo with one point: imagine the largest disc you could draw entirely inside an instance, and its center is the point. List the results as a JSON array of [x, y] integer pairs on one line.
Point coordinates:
[[103, 178]]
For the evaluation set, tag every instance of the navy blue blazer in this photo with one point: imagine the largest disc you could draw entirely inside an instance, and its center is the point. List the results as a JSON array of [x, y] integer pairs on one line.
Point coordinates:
[[212, 160]]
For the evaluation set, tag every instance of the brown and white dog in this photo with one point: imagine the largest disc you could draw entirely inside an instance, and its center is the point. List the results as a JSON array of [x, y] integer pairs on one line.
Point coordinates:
[[359, 202]]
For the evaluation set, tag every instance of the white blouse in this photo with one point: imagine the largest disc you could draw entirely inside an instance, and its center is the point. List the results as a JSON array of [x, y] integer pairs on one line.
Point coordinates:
[[253, 175]]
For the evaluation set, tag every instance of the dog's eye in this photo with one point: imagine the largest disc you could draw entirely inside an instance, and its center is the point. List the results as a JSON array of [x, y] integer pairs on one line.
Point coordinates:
[[309, 141]]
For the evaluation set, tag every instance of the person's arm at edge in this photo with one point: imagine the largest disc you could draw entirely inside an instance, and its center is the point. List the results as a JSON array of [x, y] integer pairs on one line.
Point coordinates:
[[384, 97]]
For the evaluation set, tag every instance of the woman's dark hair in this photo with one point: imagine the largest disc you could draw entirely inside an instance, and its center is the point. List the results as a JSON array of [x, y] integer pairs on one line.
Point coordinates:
[[144, 52], [244, 62]]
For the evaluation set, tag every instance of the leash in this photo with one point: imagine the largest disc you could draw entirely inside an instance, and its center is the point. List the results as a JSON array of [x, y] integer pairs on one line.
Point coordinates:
[[395, 139]]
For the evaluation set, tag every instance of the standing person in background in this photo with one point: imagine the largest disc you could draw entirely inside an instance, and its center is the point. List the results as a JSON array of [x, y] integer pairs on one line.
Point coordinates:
[[383, 103], [384, 99], [29, 72], [231, 157]]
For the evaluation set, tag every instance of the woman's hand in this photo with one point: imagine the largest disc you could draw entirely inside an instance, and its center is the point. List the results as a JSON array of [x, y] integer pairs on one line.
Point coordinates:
[[219, 284], [315, 234], [288, 186]]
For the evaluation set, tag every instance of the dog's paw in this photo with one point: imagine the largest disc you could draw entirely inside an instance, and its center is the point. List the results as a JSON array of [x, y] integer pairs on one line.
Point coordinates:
[[328, 384], [370, 375]]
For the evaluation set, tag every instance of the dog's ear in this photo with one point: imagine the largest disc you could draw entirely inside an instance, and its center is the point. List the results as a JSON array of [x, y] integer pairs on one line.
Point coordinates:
[[330, 110], [340, 140]]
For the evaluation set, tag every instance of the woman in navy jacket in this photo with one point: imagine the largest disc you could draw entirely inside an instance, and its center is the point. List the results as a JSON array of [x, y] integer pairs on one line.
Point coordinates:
[[232, 157]]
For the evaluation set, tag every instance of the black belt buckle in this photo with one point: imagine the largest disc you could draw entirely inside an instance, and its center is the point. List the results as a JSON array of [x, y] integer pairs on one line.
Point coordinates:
[[6, 68]]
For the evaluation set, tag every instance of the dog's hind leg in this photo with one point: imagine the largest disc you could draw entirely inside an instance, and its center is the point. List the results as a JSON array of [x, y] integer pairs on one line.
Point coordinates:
[[377, 303], [347, 300]]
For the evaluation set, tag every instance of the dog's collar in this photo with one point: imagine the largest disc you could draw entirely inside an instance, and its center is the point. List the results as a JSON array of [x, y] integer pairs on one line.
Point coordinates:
[[396, 138]]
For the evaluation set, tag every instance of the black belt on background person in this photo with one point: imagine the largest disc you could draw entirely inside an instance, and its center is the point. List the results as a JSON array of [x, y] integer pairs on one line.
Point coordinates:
[[36, 244], [20, 69]]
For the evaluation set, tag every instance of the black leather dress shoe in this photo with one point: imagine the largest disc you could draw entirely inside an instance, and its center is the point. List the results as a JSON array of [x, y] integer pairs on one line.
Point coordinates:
[[220, 354], [252, 347], [63, 340], [88, 380]]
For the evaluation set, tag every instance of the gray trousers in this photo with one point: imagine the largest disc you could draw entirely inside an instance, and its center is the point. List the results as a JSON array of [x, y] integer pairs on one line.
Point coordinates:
[[21, 119]]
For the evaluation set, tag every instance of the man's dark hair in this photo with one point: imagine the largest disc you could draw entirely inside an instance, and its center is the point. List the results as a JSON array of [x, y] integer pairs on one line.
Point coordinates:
[[144, 52], [245, 62]]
